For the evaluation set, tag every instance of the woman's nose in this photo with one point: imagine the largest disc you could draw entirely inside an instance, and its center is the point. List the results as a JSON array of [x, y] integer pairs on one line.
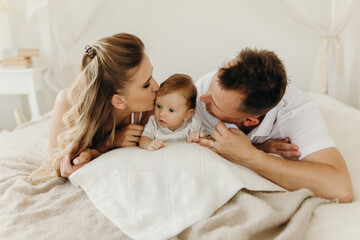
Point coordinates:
[[155, 85]]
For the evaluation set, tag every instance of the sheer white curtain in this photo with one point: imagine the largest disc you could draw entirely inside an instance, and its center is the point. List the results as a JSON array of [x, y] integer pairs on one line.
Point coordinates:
[[326, 18], [62, 26]]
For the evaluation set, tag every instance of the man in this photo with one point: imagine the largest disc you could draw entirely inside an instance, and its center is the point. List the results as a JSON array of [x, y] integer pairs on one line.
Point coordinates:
[[250, 96]]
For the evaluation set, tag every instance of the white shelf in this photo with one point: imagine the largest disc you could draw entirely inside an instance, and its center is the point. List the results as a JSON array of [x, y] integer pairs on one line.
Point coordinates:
[[27, 81]]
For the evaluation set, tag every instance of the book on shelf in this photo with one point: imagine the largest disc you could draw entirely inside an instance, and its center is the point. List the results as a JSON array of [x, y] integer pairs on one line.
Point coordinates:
[[19, 62], [15, 59], [20, 52], [17, 66], [18, 58]]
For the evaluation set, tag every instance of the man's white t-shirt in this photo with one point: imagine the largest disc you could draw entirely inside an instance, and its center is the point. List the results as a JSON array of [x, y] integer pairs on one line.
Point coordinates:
[[154, 130], [296, 116]]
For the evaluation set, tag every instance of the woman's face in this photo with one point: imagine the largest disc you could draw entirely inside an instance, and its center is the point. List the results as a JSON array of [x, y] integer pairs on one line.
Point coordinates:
[[140, 94]]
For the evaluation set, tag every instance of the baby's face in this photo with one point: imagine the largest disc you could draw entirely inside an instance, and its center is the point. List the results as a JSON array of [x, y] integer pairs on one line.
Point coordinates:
[[171, 110]]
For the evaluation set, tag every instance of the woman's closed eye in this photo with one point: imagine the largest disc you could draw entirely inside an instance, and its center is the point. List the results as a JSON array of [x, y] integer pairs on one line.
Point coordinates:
[[147, 85]]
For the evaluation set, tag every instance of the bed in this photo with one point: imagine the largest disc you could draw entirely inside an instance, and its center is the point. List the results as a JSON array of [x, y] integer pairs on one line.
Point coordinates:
[[60, 210]]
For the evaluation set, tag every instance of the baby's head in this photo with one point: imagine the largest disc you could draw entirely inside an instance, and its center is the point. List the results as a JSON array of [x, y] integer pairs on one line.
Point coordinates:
[[175, 101]]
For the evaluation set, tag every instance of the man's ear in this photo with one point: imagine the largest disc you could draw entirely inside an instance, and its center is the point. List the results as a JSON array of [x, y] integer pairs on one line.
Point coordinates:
[[118, 101], [251, 121], [188, 115]]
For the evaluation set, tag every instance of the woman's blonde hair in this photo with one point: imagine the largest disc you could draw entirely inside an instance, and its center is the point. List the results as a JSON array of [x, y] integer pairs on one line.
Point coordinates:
[[105, 71]]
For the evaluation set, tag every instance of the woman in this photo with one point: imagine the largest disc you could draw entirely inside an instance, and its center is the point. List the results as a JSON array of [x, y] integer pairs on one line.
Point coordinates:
[[114, 88]]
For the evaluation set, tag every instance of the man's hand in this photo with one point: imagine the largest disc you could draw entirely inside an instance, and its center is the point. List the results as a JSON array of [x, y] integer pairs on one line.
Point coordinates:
[[231, 144], [281, 147]]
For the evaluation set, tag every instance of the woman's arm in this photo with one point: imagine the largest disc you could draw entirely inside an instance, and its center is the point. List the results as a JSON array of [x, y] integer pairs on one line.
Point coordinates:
[[125, 136], [68, 165], [281, 147], [61, 106]]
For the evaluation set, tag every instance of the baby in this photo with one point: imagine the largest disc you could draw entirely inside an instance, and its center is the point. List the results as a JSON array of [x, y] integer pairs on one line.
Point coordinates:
[[173, 119]]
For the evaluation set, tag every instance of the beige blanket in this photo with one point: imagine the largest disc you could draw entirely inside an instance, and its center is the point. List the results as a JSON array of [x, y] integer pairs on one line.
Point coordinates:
[[258, 215], [59, 210]]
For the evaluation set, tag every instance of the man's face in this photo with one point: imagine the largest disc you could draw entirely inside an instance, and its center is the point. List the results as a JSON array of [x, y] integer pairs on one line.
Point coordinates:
[[224, 104]]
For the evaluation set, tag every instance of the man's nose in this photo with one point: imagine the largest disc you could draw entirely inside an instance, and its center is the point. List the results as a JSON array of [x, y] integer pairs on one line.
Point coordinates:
[[205, 98]]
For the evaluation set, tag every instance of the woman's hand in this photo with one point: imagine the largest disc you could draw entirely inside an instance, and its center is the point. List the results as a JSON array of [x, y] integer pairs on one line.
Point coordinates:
[[128, 135], [68, 166], [281, 147]]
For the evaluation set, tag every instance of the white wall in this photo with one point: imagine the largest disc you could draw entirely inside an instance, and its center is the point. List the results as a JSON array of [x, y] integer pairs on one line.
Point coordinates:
[[23, 36], [196, 37], [351, 42]]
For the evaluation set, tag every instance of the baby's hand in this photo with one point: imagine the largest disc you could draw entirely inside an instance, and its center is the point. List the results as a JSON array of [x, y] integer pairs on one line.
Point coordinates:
[[195, 136], [156, 144]]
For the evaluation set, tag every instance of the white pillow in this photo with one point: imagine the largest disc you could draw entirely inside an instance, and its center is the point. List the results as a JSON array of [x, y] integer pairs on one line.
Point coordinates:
[[156, 195]]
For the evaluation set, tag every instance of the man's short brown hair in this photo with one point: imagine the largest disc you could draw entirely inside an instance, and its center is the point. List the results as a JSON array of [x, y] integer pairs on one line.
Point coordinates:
[[180, 83], [259, 74]]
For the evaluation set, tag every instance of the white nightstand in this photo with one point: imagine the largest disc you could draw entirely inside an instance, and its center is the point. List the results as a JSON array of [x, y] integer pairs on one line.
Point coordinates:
[[27, 81]]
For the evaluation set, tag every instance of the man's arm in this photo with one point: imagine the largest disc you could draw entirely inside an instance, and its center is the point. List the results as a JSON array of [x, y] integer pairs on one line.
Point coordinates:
[[323, 172]]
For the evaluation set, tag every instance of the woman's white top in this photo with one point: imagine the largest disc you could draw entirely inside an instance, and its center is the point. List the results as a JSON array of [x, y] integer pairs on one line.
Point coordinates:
[[132, 120]]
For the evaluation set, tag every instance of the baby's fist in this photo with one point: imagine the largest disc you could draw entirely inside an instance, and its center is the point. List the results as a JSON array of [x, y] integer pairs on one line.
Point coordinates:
[[156, 144], [195, 136]]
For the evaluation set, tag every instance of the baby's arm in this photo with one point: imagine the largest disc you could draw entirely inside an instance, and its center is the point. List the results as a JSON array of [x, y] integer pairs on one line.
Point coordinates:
[[197, 131], [144, 142], [149, 144]]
